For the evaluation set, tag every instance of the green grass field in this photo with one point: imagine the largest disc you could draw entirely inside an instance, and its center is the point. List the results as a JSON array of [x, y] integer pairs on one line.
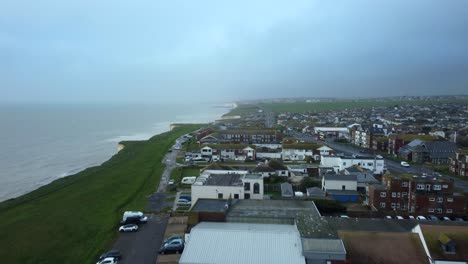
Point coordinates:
[[74, 219]]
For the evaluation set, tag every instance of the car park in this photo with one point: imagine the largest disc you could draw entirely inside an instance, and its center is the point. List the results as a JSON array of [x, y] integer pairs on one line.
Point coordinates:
[[404, 164], [399, 217], [420, 217], [128, 228], [173, 246], [114, 253], [107, 261]]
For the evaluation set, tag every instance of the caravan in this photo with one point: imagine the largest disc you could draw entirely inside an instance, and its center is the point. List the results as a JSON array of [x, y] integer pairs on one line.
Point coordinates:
[[188, 180]]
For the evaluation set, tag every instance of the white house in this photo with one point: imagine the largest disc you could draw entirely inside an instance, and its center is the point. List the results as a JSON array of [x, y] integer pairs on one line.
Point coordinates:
[[324, 150], [298, 151], [229, 151], [335, 182], [224, 186], [375, 164]]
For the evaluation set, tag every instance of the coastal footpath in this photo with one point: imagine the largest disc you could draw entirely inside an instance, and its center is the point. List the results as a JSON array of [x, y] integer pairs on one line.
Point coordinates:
[[71, 220]]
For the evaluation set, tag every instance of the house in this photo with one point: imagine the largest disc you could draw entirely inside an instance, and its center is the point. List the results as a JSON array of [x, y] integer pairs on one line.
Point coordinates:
[[251, 136], [364, 177], [286, 190], [233, 243], [298, 151], [458, 163], [341, 188], [229, 186], [375, 164], [213, 138], [203, 133], [397, 141], [266, 153], [444, 244], [324, 150], [416, 194], [280, 169], [264, 170], [238, 152], [419, 151]]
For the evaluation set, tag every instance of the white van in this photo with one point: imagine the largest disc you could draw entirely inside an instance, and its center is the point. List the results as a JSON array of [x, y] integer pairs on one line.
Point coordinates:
[[188, 180], [128, 214]]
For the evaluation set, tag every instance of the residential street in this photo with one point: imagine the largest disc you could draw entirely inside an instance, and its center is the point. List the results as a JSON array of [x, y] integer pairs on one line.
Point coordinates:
[[394, 166]]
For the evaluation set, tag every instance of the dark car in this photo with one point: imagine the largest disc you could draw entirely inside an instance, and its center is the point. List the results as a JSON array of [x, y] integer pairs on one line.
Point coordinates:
[[172, 246], [113, 253], [186, 197]]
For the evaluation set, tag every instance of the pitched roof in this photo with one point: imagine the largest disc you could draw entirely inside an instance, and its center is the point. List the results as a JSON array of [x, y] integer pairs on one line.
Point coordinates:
[[276, 165], [301, 146], [217, 166], [263, 168], [458, 234], [334, 177]]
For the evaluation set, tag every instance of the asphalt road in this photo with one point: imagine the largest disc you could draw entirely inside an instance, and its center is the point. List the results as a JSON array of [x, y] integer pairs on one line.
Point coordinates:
[[142, 246]]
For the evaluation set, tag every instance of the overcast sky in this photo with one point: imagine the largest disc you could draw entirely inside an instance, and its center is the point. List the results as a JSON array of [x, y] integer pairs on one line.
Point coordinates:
[[150, 51]]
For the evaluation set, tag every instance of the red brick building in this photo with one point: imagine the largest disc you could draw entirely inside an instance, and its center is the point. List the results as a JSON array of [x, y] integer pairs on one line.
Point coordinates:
[[419, 195], [459, 164]]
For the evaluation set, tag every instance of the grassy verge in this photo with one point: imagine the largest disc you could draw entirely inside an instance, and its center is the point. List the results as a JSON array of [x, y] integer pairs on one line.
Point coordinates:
[[74, 219]]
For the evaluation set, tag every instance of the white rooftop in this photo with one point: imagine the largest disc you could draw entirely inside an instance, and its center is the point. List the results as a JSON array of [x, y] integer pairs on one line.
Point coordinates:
[[243, 243]]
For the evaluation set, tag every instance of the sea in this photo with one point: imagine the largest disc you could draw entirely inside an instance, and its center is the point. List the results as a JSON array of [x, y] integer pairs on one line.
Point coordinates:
[[44, 142]]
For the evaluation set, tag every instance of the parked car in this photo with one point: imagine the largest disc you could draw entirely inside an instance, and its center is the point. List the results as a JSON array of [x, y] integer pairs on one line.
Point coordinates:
[[128, 228], [134, 220], [432, 218], [171, 182], [107, 261], [172, 237], [388, 217], [420, 217], [113, 253], [411, 217], [399, 217], [458, 219], [404, 164], [186, 197], [173, 246], [183, 202], [445, 218], [344, 216]]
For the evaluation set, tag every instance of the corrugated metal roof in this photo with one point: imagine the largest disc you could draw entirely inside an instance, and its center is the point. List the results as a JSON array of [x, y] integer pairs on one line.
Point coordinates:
[[243, 243]]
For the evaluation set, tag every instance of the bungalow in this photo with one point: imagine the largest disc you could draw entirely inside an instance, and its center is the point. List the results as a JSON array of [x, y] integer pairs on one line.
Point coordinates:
[[264, 170], [229, 186], [375, 164], [299, 151], [216, 168], [280, 169]]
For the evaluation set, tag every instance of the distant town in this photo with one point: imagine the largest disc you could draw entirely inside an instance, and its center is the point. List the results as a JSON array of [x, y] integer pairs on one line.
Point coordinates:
[[322, 181]]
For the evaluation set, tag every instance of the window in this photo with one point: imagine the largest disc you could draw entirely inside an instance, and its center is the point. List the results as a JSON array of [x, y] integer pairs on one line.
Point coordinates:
[[428, 187], [247, 196], [440, 199], [383, 194], [404, 184], [398, 205], [343, 187], [393, 205], [450, 200], [382, 205], [256, 188], [220, 196], [344, 163], [437, 187], [420, 187], [449, 211], [404, 193], [247, 186], [439, 210], [398, 195], [236, 196], [431, 199], [431, 210], [370, 164], [393, 194]]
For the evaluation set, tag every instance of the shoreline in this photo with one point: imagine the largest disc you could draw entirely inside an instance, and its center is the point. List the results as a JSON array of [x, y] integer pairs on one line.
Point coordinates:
[[121, 183]]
